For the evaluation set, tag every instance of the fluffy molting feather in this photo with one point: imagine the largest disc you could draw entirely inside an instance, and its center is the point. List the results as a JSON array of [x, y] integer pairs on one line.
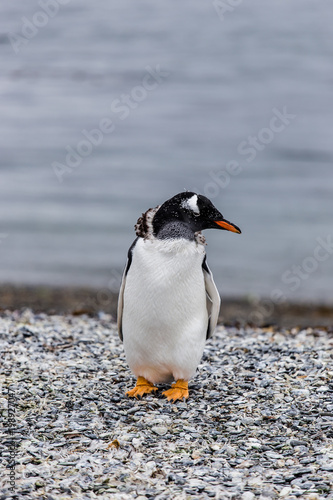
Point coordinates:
[[144, 227]]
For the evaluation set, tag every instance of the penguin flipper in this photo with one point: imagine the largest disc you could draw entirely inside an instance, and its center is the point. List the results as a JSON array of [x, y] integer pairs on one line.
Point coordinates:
[[122, 289], [121, 305], [214, 300]]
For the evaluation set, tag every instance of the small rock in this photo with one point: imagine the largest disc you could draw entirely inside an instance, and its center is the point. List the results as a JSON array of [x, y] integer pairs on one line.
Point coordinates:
[[160, 430], [248, 495], [327, 467], [230, 450], [296, 442], [302, 472], [285, 491]]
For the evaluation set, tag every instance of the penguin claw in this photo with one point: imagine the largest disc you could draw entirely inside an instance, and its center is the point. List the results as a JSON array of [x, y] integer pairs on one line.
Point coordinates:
[[179, 390], [142, 387]]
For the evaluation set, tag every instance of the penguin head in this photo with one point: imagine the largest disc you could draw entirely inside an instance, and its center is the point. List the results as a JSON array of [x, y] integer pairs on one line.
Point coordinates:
[[192, 212]]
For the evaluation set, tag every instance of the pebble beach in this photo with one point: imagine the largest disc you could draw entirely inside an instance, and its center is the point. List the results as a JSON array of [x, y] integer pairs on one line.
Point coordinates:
[[257, 424]]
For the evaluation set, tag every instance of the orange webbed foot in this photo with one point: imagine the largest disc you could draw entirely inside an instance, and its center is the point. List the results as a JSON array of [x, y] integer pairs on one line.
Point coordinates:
[[142, 387], [179, 390]]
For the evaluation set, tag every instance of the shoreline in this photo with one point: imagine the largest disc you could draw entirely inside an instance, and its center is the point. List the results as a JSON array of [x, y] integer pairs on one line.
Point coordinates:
[[78, 300], [257, 423]]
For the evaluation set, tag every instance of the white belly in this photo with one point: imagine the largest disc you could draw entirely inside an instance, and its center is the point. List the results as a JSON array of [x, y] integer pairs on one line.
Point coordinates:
[[165, 315]]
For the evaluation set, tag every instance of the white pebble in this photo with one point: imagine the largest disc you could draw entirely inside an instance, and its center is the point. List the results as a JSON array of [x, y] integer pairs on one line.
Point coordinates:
[[160, 430]]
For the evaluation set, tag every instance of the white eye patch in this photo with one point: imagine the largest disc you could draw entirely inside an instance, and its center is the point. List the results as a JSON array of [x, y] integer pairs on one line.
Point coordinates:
[[192, 204]]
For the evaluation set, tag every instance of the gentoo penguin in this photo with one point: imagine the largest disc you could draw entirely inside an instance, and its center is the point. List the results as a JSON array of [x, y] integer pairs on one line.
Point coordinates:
[[168, 302]]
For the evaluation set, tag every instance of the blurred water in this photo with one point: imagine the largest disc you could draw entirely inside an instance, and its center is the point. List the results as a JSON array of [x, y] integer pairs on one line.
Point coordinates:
[[225, 78]]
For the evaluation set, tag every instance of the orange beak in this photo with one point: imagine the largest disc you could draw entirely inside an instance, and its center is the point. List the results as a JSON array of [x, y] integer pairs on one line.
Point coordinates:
[[224, 224]]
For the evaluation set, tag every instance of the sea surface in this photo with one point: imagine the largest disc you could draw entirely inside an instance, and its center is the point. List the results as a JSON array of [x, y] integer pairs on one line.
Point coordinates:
[[233, 101]]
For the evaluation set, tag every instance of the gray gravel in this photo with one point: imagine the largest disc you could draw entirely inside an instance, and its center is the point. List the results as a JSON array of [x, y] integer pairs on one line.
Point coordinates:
[[258, 423]]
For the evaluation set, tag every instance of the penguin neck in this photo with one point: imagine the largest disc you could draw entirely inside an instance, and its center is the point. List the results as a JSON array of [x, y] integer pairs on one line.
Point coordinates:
[[175, 230]]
